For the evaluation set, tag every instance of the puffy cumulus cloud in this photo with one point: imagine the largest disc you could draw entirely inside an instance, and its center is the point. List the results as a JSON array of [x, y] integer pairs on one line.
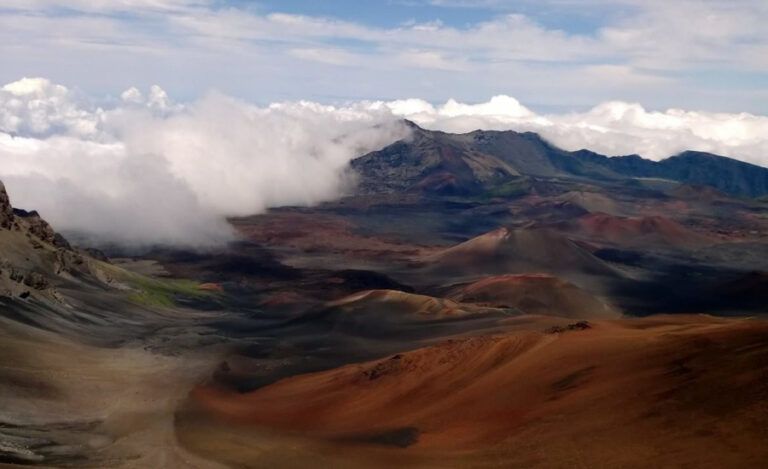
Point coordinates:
[[157, 99], [35, 106], [618, 128], [149, 170], [499, 113]]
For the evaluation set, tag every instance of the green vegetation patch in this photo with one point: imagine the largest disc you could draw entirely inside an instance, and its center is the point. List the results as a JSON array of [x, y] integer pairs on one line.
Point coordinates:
[[163, 292], [510, 189], [152, 291]]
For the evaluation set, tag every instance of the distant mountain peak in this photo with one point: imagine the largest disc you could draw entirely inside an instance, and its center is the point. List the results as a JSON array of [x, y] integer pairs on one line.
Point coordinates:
[[481, 161], [410, 124]]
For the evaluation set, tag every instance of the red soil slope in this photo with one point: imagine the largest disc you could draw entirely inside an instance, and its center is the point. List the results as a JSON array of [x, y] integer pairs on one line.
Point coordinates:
[[519, 251], [535, 294], [399, 303], [657, 392], [642, 230]]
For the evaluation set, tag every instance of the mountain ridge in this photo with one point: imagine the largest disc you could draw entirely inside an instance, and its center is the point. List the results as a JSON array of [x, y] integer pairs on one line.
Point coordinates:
[[442, 163]]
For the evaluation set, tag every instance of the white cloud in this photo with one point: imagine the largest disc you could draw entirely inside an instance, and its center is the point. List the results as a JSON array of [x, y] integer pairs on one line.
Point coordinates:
[[625, 75], [658, 36], [431, 59], [157, 99], [132, 96], [690, 33], [709, 54], [35, 106], [325, 55], [153, 171], [101, 190], [500, 107], [104, 5], [612, 128], [150, 170]]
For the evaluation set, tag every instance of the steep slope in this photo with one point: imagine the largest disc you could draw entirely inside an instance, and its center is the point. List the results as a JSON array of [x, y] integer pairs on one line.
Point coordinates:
[[50, 285], [6, 210], [33, 257], [432, 162], [531, 155]]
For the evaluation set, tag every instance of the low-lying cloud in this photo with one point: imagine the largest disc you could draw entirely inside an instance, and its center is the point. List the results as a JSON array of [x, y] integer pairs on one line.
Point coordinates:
[[151, 171], [147, 170]]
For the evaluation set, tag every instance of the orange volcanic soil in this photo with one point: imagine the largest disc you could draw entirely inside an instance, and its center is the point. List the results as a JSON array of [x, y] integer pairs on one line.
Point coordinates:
[[535, 294], [651, 229], [396, 315], [398, 303], [677, 391]]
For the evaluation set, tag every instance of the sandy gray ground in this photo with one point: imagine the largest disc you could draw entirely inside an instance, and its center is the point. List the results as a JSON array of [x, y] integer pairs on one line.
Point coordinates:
[[65, 403]]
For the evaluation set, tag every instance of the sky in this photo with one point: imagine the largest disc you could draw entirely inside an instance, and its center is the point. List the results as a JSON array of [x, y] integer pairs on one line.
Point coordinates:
[[552, 55], [143, 122]]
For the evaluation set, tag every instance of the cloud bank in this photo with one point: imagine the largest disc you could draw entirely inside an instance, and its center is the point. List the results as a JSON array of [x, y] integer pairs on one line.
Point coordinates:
[[151, 171], [148, 170], [612, 128]]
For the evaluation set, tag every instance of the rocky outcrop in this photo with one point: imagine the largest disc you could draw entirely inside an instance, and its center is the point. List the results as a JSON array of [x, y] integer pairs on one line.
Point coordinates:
[[29, 222], [68, 261], [33, 256], [40, 228], [17, 281], [6, 211]]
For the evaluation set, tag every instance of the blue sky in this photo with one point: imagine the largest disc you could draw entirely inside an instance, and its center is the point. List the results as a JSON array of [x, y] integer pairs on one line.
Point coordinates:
[[387, 13], [392, 13], [556, 55]]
